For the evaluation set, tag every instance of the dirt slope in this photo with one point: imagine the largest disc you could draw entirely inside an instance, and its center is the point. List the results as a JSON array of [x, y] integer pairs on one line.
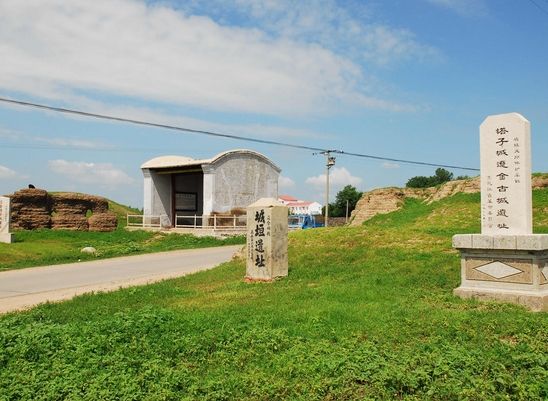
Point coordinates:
[[386, 200]]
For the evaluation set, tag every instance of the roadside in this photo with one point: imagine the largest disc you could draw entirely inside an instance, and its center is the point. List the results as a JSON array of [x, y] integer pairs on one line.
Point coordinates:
[[51, 247], [22, 289]]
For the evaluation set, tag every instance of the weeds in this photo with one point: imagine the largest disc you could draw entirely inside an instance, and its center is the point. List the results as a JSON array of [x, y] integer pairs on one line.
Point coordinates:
[[366, 313]]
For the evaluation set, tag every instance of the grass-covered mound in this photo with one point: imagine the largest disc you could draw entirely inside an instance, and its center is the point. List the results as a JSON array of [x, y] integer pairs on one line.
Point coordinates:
[[366, 313]]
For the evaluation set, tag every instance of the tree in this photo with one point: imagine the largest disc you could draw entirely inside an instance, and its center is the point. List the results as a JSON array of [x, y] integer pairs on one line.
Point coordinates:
[[441, 176], [419, 181], [348, 193]]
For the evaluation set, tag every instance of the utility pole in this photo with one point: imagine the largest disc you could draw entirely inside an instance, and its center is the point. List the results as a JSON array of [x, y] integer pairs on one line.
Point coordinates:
[[330, 162]]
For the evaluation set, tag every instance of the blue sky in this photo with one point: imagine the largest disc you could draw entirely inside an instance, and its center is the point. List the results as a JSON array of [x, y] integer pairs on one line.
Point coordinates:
[[406, 79]]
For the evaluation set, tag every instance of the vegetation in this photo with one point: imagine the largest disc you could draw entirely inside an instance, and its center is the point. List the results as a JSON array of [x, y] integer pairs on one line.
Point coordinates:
[[366, 313], [122, 211], [440, 177], [348, 194], [45, 247]]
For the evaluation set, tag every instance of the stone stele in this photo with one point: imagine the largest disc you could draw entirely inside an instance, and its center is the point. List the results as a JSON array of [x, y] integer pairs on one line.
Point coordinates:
[[266, 240], [5, 235], [506, 262], [505, 149]]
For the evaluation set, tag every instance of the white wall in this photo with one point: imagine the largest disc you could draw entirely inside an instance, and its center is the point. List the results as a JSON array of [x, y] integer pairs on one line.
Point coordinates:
[[241, 179], [157, 194]]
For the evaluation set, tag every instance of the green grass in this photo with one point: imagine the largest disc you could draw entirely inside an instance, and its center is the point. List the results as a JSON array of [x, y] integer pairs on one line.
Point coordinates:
[[366, 313], [122, 211], [45, 247]]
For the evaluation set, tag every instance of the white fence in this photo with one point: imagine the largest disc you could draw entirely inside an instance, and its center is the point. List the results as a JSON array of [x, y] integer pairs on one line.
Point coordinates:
[[213, 221], [208, 222], [148, 221]]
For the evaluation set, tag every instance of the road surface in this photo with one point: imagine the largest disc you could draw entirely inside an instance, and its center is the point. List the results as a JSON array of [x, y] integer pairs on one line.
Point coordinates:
[[22, 289]]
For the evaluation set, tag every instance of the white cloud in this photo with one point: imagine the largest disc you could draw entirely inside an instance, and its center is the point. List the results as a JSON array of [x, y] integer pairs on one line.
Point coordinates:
[[23, 139], [7, 173], [129, 48], [102, 174], [338, 178], [341, 27], [285, 183], [389, 165], [9, 134], [70, 142], [463, 7], [159, 117]]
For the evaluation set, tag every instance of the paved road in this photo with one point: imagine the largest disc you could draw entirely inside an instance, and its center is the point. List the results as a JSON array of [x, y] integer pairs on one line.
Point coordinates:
[[21, 289]]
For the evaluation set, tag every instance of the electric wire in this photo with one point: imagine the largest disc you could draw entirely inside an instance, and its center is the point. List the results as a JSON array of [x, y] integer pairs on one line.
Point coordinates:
[[539, 7], [221, 135], [76, 147]]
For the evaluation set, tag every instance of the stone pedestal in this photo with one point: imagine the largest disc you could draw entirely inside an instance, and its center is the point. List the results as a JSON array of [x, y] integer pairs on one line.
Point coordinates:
[[6, 237], [266, 240], [509, 268]]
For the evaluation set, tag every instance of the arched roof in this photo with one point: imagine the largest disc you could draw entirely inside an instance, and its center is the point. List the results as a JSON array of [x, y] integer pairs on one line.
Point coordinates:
[[168, 161], [183, 161]]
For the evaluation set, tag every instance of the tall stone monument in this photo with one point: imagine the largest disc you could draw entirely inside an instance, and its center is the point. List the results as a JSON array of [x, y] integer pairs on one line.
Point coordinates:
[[266, 240], [506, 261], [5, 235]]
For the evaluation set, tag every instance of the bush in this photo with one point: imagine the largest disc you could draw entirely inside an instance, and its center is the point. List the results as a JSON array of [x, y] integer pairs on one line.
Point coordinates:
[[441, 176]]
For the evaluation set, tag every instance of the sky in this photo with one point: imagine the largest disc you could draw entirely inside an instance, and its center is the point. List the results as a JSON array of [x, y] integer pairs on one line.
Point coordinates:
[[403, 79]]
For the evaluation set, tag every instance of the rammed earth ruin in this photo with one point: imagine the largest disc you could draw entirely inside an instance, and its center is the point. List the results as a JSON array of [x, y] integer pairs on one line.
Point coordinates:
[[34, 208]]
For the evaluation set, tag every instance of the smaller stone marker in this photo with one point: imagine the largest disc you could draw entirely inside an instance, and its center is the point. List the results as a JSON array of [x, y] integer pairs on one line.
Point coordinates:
[[5, 235], [266, 240]]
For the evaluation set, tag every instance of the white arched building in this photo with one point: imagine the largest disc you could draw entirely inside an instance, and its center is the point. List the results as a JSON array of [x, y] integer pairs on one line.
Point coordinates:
[[179, 185]]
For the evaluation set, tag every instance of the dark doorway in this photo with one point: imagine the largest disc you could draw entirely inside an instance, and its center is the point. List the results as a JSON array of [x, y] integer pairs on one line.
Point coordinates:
[[188, 196]]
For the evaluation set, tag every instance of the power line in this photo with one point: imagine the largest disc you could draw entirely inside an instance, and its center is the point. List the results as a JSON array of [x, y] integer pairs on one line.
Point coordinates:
[[76, 147], [220, 135], [156, 125], [406, 161], [539, 7]]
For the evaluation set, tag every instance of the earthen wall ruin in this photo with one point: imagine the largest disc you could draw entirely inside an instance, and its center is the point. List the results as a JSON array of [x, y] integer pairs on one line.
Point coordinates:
[[35, 208]]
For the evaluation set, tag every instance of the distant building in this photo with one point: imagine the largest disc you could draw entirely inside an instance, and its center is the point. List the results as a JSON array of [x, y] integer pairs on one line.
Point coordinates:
[[285, 199], [297, 206], [179, 185]]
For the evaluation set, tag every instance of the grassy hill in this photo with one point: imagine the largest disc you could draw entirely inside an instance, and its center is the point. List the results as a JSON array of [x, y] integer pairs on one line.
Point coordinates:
[[366, 313], [122, 211]]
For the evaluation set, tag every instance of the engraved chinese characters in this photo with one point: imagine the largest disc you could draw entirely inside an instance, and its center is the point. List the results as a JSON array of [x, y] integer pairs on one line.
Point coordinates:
[[506, 262], [266, 240], [5, 235], [505, 149]]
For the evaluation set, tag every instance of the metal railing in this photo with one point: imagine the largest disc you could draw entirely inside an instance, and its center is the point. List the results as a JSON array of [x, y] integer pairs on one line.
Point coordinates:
[[223, 222], [213, 221], [139, 220]]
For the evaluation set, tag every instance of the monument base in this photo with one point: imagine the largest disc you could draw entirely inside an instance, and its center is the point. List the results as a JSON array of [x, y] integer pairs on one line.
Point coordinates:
[[508, 268], [536, 303], [6, 237]]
